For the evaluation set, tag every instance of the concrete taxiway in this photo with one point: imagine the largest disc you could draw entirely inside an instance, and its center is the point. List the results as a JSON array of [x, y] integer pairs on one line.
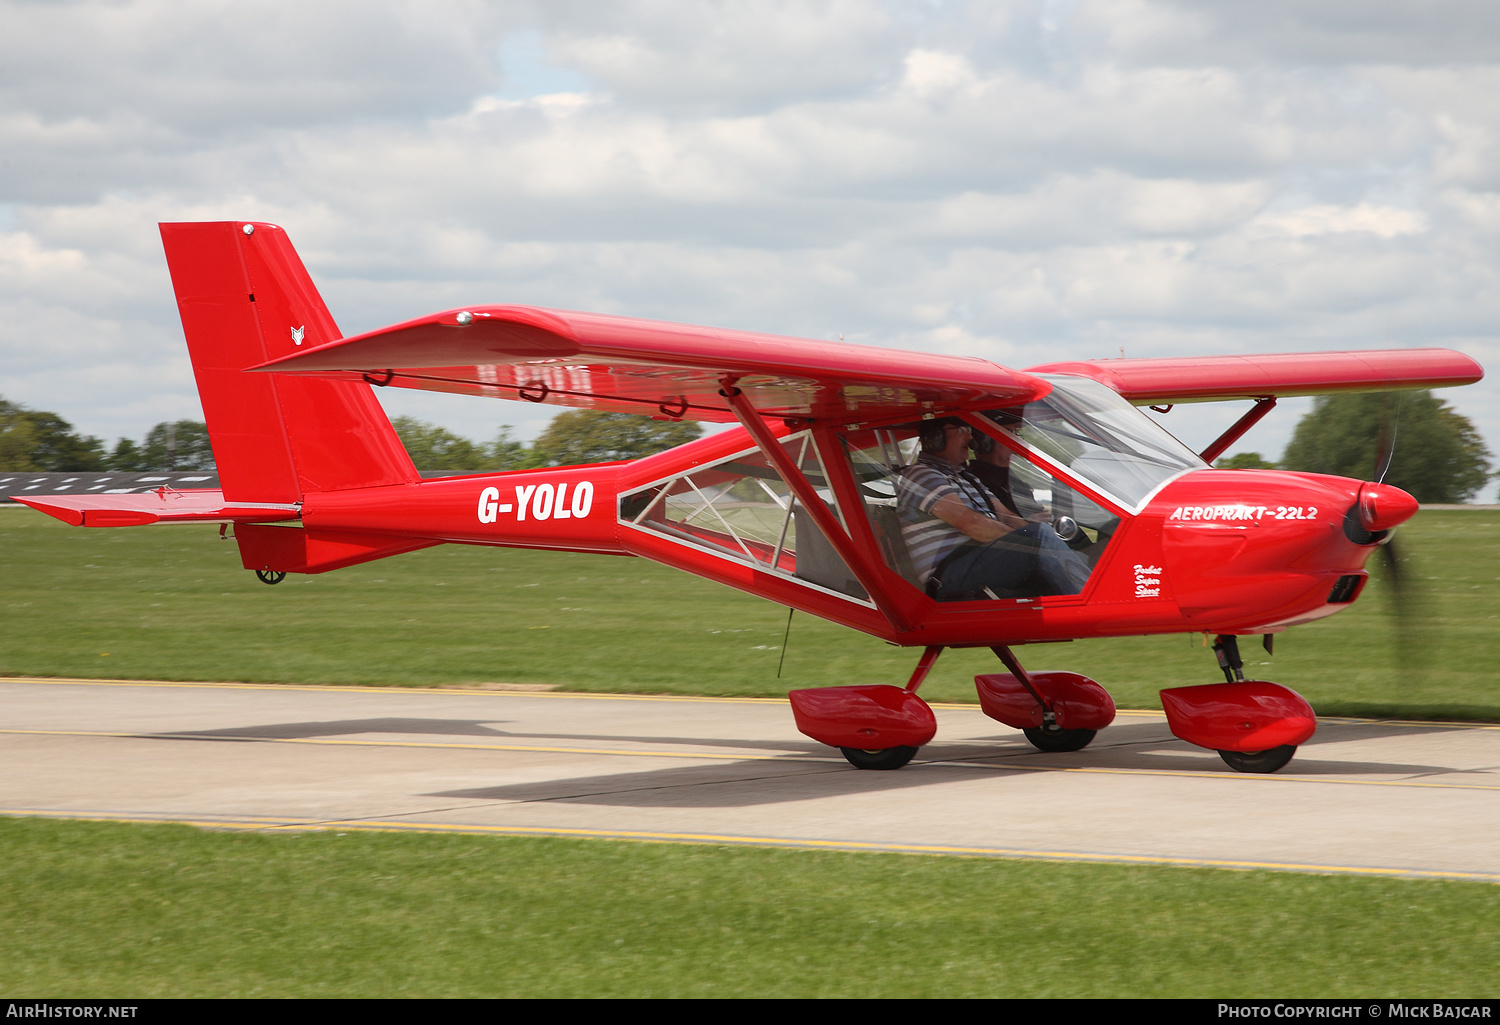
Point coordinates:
[[1397, 798]]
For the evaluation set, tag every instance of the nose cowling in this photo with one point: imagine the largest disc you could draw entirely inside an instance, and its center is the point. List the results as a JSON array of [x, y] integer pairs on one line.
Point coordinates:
[[1382, 506], [1242, 549]]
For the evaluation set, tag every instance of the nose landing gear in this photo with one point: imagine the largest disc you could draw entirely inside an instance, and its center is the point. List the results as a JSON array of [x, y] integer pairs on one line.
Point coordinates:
[[1227, 651], [1255, 726], [885, 758], [1259, 761]]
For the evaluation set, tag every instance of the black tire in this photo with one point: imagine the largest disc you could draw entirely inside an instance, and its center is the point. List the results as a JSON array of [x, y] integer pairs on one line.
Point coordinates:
[[888, 758], [1055, 738], [270, 576], [1259, 761]]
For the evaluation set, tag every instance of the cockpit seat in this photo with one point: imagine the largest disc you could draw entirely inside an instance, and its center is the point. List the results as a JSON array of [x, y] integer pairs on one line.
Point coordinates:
[[892, 544]]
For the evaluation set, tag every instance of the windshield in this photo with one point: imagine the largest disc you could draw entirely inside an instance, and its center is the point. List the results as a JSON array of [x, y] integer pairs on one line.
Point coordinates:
[[1094, 433]]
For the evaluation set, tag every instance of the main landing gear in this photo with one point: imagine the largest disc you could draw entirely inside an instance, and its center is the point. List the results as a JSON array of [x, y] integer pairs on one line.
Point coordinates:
[[882, 727], [1052, 737], [1055, 712], [1253, 725], [876, 727]]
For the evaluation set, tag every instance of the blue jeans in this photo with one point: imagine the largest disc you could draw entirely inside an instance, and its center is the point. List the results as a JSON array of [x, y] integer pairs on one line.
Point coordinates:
[[1033, 559]]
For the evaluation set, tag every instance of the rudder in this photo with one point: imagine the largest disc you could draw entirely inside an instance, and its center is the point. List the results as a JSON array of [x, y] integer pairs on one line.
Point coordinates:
[[244, 298]]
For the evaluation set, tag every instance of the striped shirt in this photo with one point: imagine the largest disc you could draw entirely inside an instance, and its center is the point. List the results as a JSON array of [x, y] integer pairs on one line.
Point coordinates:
[[929, 539]]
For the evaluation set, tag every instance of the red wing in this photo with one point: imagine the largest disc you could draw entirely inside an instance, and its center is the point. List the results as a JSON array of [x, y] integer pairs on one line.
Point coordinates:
[[1210, 378], [641, 366]]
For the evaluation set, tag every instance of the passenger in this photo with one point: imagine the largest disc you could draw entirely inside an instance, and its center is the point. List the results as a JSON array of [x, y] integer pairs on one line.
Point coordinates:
[[965, 542], [991, 464]]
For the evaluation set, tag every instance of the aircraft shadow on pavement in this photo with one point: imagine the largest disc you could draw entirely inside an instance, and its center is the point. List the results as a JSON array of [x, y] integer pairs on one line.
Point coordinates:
[[1150, 747], [1137, 746], [465, 728], [737, 785], [338, 728]]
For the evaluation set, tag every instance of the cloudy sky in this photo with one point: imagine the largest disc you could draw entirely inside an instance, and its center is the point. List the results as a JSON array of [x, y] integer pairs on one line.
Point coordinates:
[[1023, 180]]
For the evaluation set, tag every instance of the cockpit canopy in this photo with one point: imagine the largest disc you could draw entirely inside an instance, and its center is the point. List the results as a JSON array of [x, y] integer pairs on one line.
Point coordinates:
[[739, 508], [1095, 435]]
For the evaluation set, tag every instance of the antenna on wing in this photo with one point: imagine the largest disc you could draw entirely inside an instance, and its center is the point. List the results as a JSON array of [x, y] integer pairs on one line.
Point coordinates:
[[1388, 445]]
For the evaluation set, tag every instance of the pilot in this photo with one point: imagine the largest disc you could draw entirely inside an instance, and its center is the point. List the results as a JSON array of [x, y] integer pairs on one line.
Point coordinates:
[[965, 542]]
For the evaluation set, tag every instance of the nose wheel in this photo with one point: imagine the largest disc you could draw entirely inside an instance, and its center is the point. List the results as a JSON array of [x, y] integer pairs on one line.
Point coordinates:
[[1259, 761], [886, 758]]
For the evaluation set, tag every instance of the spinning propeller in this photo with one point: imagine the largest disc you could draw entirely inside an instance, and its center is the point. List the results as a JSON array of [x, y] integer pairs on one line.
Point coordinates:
[[1375, 513]]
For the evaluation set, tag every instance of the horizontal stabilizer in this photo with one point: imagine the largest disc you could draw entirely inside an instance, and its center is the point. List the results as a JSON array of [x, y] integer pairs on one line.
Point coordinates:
[[1212, 378], [659, 369], [163, 506]]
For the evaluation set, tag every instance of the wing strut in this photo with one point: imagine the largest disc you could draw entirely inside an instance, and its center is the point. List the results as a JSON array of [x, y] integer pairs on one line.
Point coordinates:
[[1263, 405], [868, 575]]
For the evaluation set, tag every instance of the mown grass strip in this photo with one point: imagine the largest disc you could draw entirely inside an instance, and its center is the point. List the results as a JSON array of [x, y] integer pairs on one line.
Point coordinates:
[[104, 909]]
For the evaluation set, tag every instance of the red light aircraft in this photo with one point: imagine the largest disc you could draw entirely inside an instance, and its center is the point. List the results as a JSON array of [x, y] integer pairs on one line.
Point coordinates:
[[814, 501]]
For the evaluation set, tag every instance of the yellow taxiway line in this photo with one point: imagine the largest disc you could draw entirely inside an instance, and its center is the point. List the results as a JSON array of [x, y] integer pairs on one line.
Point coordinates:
[[1093, 857]]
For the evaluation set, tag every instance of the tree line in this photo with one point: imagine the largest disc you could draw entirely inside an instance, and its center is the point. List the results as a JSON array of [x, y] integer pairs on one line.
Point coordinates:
[[574, 436], [1435, 453], [39, 441], [1427, 448], [36, 440]]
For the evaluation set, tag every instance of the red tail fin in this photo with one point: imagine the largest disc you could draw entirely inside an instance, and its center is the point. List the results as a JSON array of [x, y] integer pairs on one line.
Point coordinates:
[[245, 297]]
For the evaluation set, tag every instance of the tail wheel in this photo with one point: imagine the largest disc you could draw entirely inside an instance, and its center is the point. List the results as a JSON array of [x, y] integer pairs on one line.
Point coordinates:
[[1259, 761], [1055, 738], [886, 758]]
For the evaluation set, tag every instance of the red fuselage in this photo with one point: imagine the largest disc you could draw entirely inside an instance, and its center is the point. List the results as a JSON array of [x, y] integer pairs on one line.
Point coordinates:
[[1221, 551]]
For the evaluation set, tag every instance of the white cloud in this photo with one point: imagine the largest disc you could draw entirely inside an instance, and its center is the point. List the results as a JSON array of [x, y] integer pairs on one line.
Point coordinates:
[[1026, 181], [931, 73], [1328, 219]]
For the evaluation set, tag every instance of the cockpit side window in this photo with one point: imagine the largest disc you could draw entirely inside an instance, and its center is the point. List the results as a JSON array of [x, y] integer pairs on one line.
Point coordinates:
[[741, 509]]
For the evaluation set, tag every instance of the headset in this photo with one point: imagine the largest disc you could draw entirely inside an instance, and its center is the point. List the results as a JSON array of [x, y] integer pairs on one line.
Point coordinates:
[[933, 434], [983, 443], [934, 437]]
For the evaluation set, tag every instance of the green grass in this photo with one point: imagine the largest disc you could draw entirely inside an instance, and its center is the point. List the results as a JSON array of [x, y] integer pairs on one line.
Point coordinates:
[[96, 909], [173, 603]]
